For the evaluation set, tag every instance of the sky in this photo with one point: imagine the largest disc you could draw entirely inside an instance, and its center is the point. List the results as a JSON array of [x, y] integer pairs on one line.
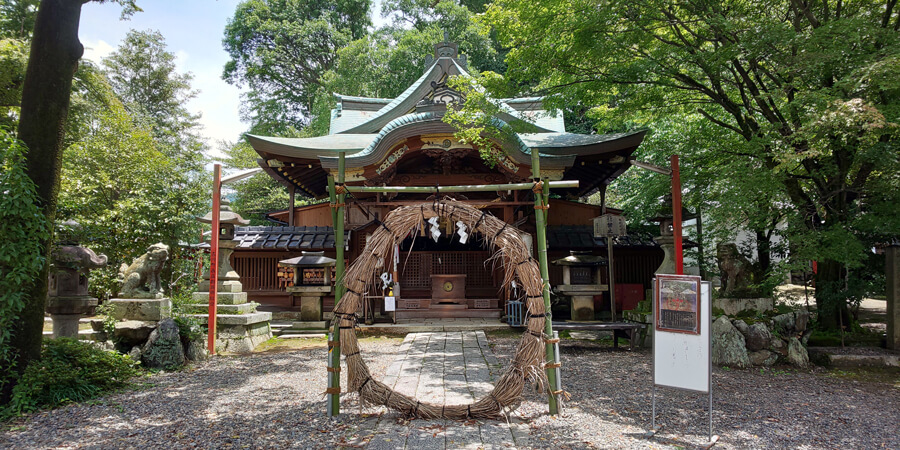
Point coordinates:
[[193, 30]]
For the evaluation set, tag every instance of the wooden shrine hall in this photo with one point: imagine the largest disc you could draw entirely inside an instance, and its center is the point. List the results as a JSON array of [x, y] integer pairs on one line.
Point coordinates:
[[404, 142]]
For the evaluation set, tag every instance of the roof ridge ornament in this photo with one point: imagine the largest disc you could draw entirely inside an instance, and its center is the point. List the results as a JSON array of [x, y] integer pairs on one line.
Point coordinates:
[[446, 49]]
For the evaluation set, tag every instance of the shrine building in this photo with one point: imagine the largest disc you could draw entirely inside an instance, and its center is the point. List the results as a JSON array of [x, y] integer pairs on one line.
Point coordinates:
[[403, 141]]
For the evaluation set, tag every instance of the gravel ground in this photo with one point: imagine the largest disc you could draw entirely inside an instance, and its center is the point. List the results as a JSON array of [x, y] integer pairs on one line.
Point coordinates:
[[274, 400], [264, 400], [778, 408]]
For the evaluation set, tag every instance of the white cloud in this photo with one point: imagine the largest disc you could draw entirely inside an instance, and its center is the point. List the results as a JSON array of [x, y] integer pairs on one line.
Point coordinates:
[[96, 50], [181, 58]]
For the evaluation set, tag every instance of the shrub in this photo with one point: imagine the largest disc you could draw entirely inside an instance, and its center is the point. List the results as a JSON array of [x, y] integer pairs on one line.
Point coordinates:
[[189, 327], [23, 228], [70, 371]]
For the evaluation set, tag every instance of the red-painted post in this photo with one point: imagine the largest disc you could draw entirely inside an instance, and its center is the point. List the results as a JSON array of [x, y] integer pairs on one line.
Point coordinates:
[[214, 259], [676, 216]]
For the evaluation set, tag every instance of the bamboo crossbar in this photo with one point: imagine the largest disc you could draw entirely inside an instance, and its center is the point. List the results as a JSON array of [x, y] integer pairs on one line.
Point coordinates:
[[463, 188]]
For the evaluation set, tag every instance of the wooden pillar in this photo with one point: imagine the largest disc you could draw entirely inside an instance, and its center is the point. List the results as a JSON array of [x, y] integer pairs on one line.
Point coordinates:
[[541, 200], [214, 261], [293, 193], [676, 216]]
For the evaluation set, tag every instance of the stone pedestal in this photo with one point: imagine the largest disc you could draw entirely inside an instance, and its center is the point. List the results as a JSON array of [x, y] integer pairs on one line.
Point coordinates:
[[310, 301], [65, 312], [582, 307], [667, 243], [152, 309], [239, 327]]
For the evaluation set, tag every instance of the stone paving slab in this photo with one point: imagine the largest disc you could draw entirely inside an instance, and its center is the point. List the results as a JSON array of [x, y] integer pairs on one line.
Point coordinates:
[[446, 368]]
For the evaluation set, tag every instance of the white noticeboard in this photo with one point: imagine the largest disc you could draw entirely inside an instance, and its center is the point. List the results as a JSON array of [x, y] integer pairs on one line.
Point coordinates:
[[390, 304], [682, 360]]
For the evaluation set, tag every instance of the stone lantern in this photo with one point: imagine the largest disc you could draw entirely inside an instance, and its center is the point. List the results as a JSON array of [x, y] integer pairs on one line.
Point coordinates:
[[312, 282], [68, 299], [666, 238], [581, 282], [239, 326], [227, 221]]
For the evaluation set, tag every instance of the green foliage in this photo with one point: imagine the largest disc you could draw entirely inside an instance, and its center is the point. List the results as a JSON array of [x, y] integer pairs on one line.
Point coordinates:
[[476, 120], [105, 311], [189, 326], [13, 59], [798, 104], [22, 228], [143, 75], [253, 197], [70, 371], [146, 196], [280, 48], [17, 18]]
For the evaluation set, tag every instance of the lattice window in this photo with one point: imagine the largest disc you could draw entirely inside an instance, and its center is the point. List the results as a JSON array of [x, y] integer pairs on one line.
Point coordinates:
[[582, 275]]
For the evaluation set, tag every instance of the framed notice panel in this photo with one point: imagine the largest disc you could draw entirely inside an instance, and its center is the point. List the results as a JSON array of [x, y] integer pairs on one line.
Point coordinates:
[[678, 304], [681, 339]]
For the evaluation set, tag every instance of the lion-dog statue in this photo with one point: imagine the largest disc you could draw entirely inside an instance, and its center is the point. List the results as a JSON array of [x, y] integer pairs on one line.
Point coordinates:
[[736, 271], [141, 278]]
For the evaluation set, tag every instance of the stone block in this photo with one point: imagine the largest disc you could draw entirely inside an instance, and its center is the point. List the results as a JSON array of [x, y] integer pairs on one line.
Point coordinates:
[[311, 308], [231, 332], [163, 349], [154, 309], [728, 346], [134, 332], [797, 354], [310, 325], [735, 306], [222, 298], [763, 358], [259, 329], [582, 307], [79, 304], [65, 325], [245, 308], [221, 286]]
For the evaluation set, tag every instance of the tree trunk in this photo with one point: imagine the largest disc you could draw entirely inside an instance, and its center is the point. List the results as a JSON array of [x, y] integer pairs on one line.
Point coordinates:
[[763, 251], [55, 51], [831, 303]]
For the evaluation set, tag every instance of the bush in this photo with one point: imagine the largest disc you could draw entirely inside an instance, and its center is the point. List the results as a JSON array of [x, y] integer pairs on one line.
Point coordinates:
[[189, 327], [70, 371], [23, 228]]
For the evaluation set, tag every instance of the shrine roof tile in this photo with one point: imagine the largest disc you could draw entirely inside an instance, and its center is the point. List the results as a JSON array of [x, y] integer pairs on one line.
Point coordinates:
[[284, 238]]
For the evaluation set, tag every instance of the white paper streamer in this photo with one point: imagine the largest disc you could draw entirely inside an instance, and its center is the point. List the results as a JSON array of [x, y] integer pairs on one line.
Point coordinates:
[[463, 236], [435, 228]]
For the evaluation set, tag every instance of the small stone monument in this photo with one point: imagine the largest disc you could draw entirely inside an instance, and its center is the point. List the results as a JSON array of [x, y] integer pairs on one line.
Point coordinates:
[[581, 282], [737, 274], [141, 296], [68, 299], [239, 327], [312, 282]]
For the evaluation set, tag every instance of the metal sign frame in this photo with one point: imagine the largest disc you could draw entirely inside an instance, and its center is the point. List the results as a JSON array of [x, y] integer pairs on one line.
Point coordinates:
[[705, 288]]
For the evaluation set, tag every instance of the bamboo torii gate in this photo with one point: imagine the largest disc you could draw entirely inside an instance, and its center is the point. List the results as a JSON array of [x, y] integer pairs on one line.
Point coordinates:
[[338, 192]]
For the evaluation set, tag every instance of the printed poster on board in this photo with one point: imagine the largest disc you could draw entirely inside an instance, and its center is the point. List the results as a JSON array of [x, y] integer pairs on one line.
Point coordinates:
[[678, 303]]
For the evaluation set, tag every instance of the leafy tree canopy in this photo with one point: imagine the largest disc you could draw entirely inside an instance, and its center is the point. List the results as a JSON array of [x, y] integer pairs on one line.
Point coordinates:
[[143, 75], [279, 49], [139, 200], [809, 89]]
